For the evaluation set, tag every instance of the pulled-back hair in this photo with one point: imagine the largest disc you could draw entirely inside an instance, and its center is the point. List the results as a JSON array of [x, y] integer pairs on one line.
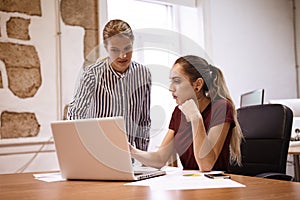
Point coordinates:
[[117, 27], [215, 88]]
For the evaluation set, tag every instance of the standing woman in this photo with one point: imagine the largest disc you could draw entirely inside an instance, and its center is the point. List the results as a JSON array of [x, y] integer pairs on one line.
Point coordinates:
[[203, 130], [116, 86]]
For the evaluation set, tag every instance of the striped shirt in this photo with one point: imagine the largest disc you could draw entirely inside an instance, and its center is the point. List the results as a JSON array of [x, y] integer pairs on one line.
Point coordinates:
[[103, 92]]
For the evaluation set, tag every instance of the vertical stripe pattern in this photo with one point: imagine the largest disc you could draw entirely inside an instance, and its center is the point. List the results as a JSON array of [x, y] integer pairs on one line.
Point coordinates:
[[103, 92]]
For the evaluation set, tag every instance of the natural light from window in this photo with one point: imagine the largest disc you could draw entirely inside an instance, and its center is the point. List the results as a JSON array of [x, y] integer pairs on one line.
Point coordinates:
[[157, 45], [141, 14], [154, 17]]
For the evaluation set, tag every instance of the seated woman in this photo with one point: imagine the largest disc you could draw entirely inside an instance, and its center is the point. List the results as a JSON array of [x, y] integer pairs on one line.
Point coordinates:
[[203, 130]]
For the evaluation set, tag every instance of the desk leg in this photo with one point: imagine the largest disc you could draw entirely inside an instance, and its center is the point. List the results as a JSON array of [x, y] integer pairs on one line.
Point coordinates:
[[296, 168]]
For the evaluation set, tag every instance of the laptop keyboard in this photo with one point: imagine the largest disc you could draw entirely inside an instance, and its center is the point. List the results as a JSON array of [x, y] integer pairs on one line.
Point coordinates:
[[142, 169]]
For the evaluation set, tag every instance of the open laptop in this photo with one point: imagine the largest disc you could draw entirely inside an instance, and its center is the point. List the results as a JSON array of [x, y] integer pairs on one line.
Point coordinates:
[[96, 149], [254, 97]]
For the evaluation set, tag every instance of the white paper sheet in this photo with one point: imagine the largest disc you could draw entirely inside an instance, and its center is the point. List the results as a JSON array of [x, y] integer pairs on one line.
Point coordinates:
[[185, 180], [49, 177]]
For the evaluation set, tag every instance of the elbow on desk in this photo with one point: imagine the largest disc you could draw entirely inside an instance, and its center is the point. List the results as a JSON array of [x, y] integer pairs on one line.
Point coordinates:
[[205, 164], [205, 168]]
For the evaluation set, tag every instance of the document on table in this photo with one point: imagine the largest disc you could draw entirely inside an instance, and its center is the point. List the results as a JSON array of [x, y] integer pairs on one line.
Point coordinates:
[[49, 177], [185, 180]]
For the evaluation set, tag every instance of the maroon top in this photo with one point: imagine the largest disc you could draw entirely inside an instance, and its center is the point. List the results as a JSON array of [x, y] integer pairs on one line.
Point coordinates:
[[215, 113]]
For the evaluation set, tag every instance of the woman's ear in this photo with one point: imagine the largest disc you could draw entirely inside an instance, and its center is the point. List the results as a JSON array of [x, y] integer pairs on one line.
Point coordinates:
[[198, 84]]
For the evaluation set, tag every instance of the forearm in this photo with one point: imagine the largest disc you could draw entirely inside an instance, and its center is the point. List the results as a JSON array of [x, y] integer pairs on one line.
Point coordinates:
[[152, 159], [203, 147], [159, 158]]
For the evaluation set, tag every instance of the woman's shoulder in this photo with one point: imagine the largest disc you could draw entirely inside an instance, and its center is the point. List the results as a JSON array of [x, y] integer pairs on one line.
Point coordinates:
[[176, 111], [221, 111], [97, 66], [139, 66], [223, 103]]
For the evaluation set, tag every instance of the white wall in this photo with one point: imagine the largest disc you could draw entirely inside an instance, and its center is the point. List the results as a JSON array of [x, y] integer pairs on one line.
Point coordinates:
[[42, 34], [252, 42], [297, 4], [36, 153]]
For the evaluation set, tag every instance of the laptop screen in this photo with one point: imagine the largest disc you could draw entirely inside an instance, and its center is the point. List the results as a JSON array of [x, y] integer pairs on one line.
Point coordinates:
[[254, 97]]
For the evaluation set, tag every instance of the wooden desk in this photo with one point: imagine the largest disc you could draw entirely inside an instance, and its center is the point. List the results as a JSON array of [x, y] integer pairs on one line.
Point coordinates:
[[24, 186], [295, 151]]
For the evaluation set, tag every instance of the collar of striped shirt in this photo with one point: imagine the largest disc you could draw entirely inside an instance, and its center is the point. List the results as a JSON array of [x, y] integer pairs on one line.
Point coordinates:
[[118, 74]]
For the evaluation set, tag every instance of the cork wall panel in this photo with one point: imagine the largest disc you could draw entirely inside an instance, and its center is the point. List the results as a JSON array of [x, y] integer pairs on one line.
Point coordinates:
[[83, 14], [29, 7], [17, 28], [1, 83], [22, 66], [15, 125]]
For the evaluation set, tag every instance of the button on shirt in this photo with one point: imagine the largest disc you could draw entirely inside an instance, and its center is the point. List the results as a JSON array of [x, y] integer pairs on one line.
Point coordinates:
[[103, 92]]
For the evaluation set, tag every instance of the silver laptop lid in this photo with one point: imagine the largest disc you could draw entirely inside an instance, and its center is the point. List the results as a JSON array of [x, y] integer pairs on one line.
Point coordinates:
[[95, 149]]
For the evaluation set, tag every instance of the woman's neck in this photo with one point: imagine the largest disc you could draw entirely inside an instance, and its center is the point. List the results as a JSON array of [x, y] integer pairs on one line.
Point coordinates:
[[203, 102]]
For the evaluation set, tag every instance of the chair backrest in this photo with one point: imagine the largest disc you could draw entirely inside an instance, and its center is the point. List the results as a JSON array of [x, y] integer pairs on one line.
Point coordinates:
[[267, 131]]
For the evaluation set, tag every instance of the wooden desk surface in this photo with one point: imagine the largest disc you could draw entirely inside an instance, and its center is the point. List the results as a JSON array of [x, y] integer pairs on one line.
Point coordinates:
[[24, 186], [294, 150]]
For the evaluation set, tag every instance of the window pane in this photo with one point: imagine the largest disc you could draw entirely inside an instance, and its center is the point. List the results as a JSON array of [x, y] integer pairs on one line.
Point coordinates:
[[140, 14], [149, 51]]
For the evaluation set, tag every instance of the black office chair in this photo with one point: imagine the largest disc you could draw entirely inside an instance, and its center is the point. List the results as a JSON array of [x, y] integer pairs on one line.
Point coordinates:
[[267, 132]]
